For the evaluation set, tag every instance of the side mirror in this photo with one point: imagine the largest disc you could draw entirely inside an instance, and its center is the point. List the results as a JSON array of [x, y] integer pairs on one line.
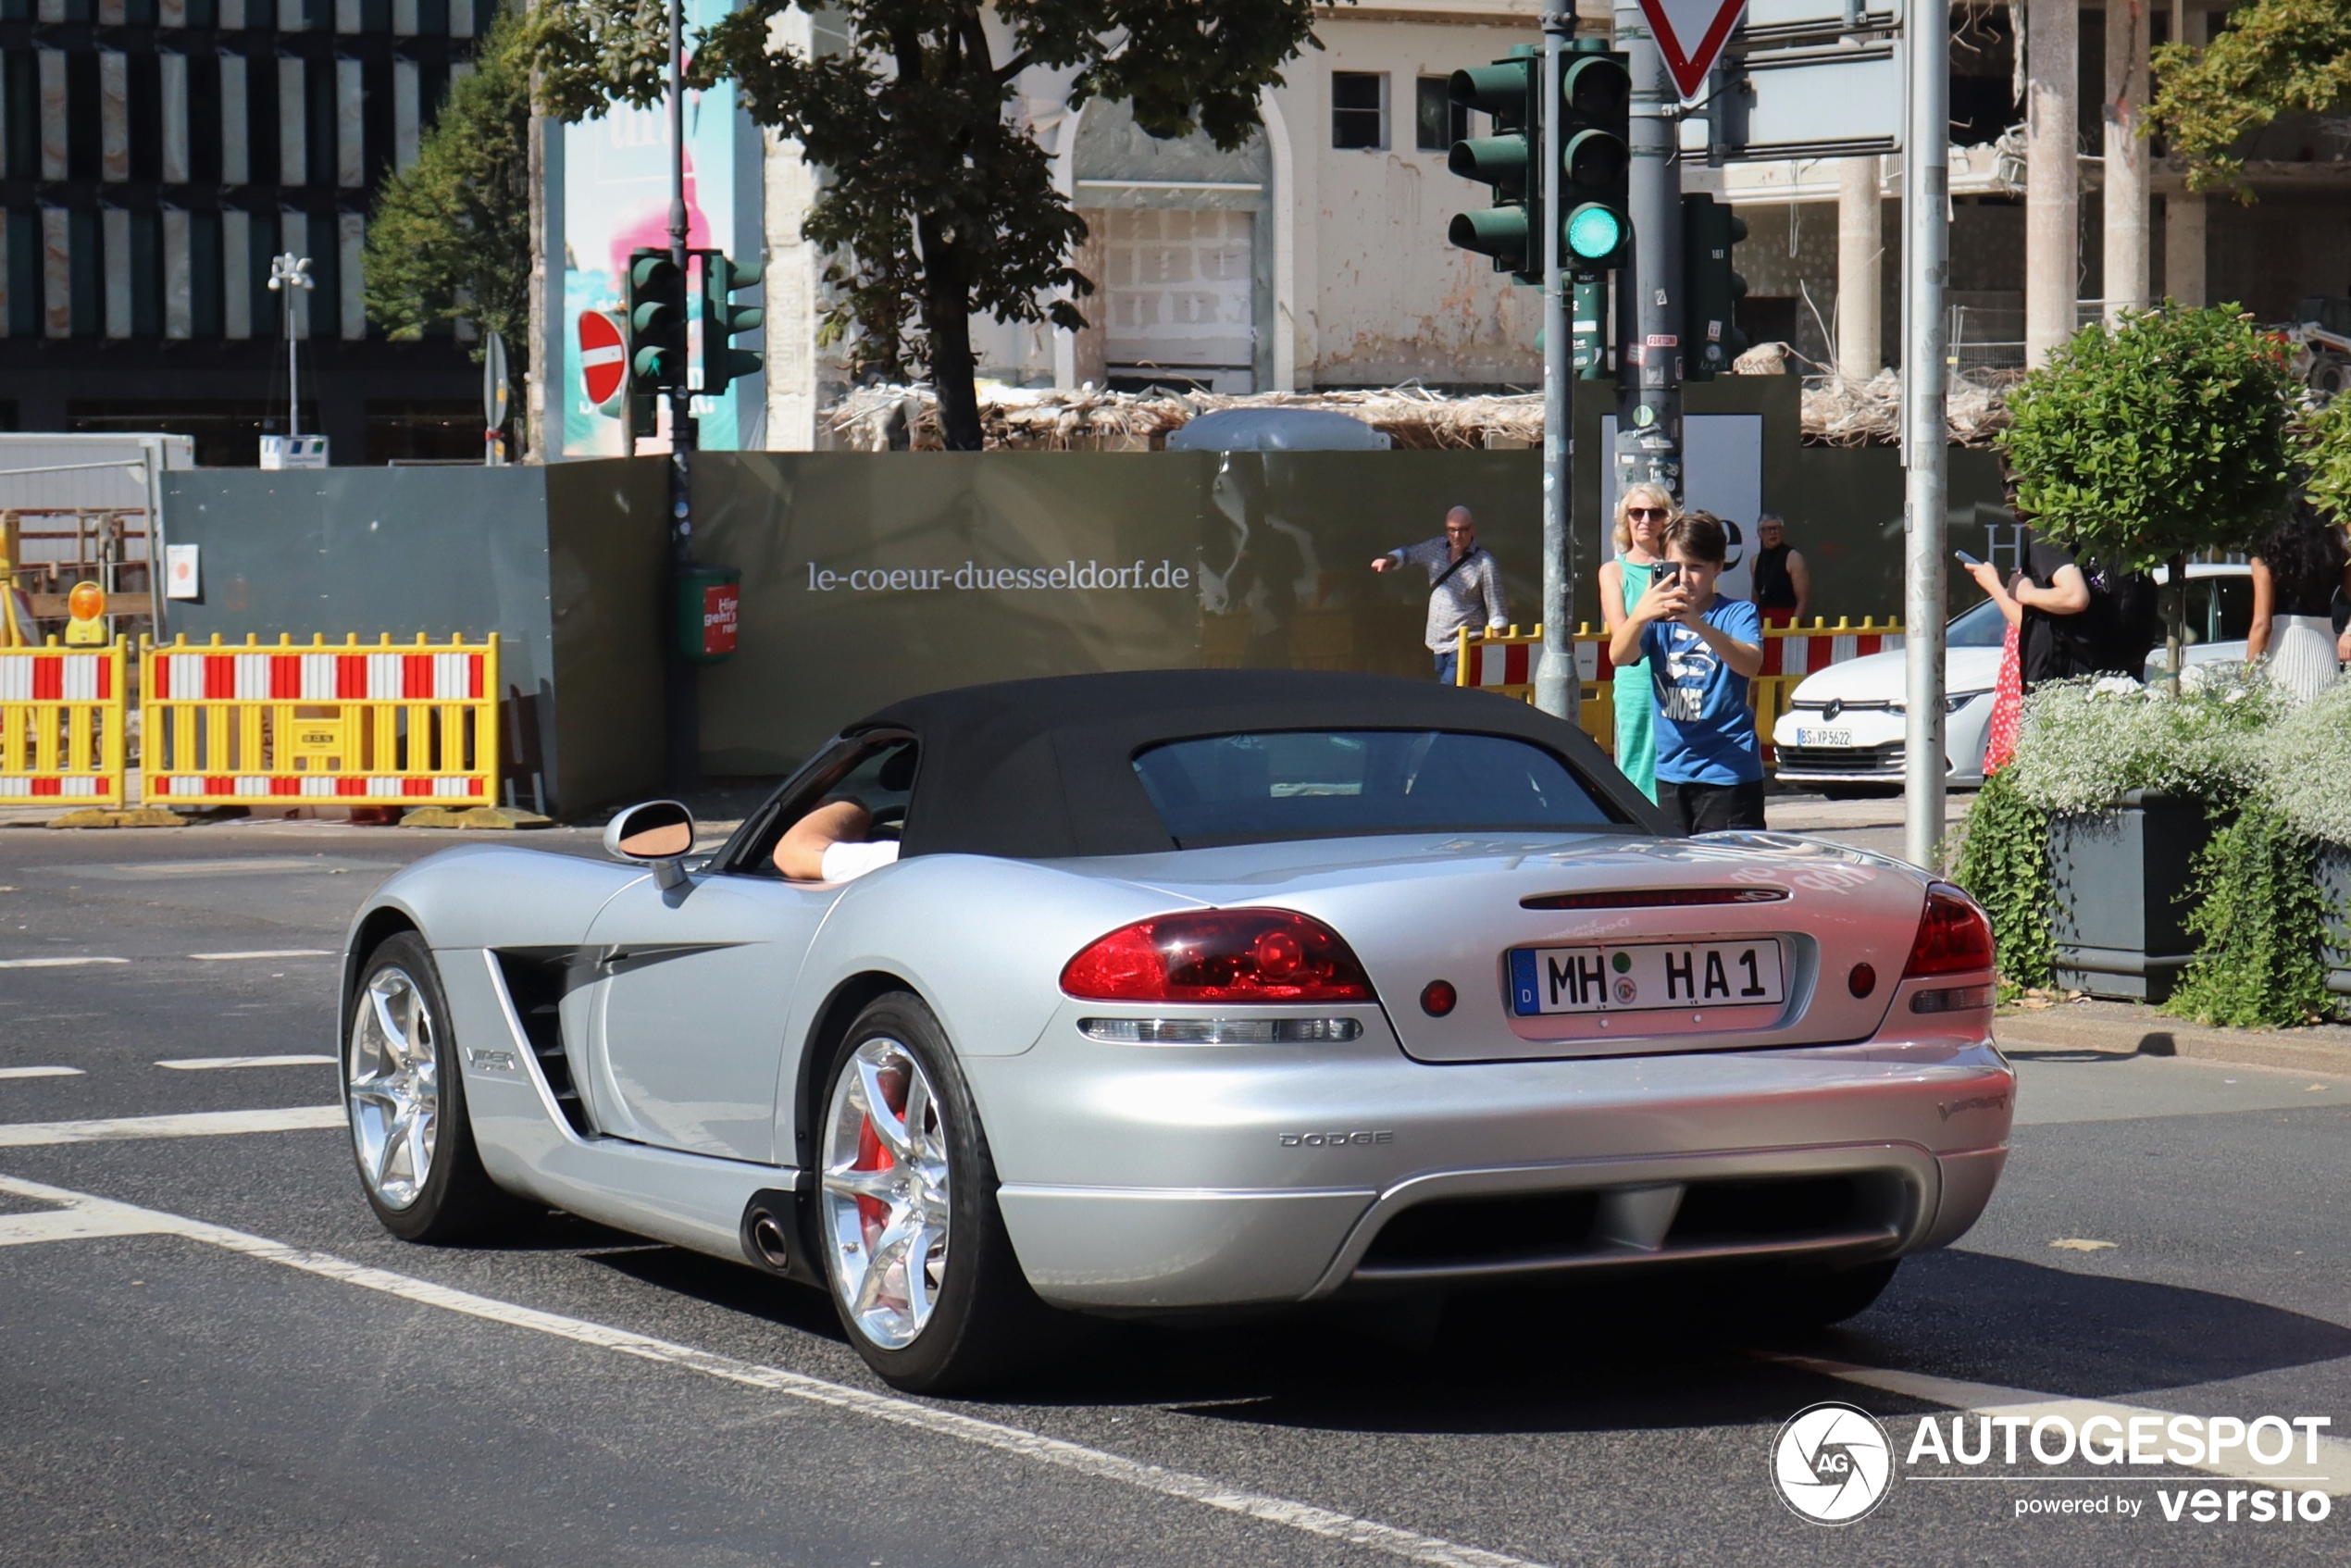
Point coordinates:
[[658, 833]]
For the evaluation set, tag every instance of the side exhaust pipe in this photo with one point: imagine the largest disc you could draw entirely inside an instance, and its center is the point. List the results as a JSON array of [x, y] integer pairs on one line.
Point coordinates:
[[766, 1234]]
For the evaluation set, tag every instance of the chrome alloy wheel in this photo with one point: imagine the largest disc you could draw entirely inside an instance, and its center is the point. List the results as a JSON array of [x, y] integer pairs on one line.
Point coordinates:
[[885, 1192], [393, 1081]]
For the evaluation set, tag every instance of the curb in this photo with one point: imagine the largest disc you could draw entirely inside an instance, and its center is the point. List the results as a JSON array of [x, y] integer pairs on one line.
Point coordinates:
[[2320, 1050]]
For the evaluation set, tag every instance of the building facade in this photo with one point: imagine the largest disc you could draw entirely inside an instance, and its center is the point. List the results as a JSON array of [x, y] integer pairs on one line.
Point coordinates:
[[1316, 257], [154, 155]]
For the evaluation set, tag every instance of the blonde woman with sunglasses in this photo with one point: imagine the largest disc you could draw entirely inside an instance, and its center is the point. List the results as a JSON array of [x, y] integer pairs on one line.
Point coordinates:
[[1643, 512]]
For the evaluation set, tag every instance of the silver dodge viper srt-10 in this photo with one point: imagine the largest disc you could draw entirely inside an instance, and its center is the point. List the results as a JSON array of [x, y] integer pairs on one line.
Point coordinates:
[[1189, 990]]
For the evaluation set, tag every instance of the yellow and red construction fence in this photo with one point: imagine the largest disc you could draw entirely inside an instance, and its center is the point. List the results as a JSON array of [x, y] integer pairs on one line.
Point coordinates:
[[348, 724], [1505, 663]]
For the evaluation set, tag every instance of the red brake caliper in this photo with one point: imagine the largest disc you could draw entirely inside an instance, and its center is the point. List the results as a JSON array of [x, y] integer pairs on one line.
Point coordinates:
[[872, 1155]]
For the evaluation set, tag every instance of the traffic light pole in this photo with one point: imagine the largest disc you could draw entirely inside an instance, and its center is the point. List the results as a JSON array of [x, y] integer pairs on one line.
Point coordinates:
[[1557, 689], [1927, 257], [681, 690], [1648, 314]]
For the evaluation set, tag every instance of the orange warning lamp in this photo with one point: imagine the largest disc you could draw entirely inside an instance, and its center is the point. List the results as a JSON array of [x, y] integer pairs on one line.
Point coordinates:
[[87, 606]]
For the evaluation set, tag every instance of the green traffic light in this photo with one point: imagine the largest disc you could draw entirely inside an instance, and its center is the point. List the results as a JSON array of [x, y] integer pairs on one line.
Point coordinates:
[[1594, 231]]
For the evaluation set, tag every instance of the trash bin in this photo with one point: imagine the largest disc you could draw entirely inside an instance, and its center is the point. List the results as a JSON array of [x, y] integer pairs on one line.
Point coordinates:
[[707, 597]]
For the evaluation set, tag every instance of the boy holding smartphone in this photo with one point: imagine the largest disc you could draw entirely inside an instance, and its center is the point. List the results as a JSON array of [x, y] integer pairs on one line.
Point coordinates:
[[1703, 649]]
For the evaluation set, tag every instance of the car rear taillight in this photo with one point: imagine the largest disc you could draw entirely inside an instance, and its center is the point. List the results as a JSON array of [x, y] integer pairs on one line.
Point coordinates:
[[1219, 956], [1954, 937]]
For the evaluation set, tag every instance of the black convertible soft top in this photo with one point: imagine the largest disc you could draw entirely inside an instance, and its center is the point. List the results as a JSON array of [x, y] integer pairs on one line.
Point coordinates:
[[1043, 769]]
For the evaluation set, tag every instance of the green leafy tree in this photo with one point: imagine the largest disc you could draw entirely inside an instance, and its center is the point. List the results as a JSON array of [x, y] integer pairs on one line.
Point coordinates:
[[2162, 439], [2276, 57], [450, 238], [2329, 456], [937, 202]]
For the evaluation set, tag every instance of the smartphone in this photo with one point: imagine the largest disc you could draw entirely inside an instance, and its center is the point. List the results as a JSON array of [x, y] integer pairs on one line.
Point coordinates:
[[1966, 559], [1669, 573]]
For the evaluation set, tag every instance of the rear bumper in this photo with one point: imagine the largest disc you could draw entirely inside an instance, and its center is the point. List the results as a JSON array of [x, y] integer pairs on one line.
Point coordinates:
[[1256, 1181]]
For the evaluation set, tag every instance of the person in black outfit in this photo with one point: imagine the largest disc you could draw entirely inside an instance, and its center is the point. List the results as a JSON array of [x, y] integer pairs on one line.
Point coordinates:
[[1783, 582], [2298, 573], [2044, 602]]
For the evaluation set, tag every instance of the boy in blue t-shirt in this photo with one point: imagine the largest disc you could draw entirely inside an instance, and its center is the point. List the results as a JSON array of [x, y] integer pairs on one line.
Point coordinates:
[[1703, 649]]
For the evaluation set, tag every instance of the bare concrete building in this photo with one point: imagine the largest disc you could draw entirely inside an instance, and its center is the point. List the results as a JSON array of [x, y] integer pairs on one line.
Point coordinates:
[[154, 155]]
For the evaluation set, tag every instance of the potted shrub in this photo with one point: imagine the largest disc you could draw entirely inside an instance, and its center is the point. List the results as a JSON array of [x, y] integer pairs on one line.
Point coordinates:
[[2297, 903], [2084, 848], [2161, 440]]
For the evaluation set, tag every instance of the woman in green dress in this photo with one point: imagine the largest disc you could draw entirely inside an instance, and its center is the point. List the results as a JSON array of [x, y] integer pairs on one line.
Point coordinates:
[[1642, 513]]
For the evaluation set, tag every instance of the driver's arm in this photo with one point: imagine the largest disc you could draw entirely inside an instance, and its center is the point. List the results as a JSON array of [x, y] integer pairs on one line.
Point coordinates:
[[799, 854]]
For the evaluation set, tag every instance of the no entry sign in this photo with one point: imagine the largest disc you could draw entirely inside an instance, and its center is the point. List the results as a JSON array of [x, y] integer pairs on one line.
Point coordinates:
[[603, 360], [1690, 34]]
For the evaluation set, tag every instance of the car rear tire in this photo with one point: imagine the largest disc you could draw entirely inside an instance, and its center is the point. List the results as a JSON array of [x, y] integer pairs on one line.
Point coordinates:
[[405, 1098], [920, 1268]]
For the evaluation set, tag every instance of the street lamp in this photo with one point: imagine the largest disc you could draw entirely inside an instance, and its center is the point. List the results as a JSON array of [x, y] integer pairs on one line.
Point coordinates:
[[289, 273]]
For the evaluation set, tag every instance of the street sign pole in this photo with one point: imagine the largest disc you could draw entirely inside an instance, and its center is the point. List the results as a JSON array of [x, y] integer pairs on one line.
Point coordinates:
[[1926, 251], [681, 688], [1649, 422], [1557, 689]]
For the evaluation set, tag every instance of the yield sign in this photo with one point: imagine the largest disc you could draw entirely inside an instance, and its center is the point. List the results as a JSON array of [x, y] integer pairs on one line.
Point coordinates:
[[603, 360], [1690, 34]]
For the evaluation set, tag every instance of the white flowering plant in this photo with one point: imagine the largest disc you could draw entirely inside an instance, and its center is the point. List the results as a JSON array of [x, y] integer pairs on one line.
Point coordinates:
[[2305, 767], [2085, 744]]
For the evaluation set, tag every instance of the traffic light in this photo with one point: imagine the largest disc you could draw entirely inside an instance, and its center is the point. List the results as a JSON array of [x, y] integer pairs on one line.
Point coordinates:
[[1596, 95], [656, 323], [721, 318], [1710, 289], [1511, 231]]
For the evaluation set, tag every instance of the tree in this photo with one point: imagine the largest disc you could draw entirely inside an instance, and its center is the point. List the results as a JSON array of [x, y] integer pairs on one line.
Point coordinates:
[[451, 238], [2276, 56], [2161, 439], [937, 202], [2328, 456]]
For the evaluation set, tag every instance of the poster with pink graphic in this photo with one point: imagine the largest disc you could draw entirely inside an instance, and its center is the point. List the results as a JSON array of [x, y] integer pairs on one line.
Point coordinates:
[[616, 200]]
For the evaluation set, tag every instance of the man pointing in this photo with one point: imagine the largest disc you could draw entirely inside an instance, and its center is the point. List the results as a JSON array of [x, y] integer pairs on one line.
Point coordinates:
[[1463, 580]]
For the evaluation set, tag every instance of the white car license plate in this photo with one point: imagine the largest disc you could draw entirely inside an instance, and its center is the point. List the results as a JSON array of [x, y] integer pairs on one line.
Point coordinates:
[[1630, 979], [1824, 738]]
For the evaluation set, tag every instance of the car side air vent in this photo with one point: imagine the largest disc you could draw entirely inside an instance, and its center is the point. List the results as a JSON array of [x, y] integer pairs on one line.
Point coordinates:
[[1652, 898], [536, 980]]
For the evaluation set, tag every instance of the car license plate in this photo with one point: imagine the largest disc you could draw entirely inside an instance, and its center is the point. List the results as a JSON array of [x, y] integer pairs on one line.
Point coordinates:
[[1824, 738], [1630, 979]]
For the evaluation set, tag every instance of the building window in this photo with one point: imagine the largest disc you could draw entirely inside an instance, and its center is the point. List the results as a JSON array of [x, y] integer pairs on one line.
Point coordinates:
[[1359, 109], [1440, 121]]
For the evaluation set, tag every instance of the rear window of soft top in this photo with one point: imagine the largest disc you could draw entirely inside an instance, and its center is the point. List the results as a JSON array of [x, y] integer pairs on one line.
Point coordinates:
[[1333, 783]]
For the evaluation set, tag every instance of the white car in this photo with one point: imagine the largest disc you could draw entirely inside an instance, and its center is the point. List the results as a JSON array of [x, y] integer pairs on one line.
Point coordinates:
[[1845, 726]]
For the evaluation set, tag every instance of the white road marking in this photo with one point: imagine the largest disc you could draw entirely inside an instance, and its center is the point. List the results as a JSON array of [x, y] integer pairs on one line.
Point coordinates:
[[54, 963], [207, 1064], [248, 866], [1990, 1399], [71, 1225], [40, 1072], [1407, 1544], [262, 952], [187, 1123]]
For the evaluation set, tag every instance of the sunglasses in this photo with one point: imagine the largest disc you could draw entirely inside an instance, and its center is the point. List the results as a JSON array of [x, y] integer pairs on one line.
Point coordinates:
[[1645, 512]]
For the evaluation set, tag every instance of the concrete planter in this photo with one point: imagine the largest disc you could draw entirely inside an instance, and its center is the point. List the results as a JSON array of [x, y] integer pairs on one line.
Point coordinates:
[[2120, 881], [2335, 884]]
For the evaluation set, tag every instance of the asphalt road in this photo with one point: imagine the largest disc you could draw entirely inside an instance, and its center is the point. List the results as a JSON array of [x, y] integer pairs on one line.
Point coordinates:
[[227, 1362]]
